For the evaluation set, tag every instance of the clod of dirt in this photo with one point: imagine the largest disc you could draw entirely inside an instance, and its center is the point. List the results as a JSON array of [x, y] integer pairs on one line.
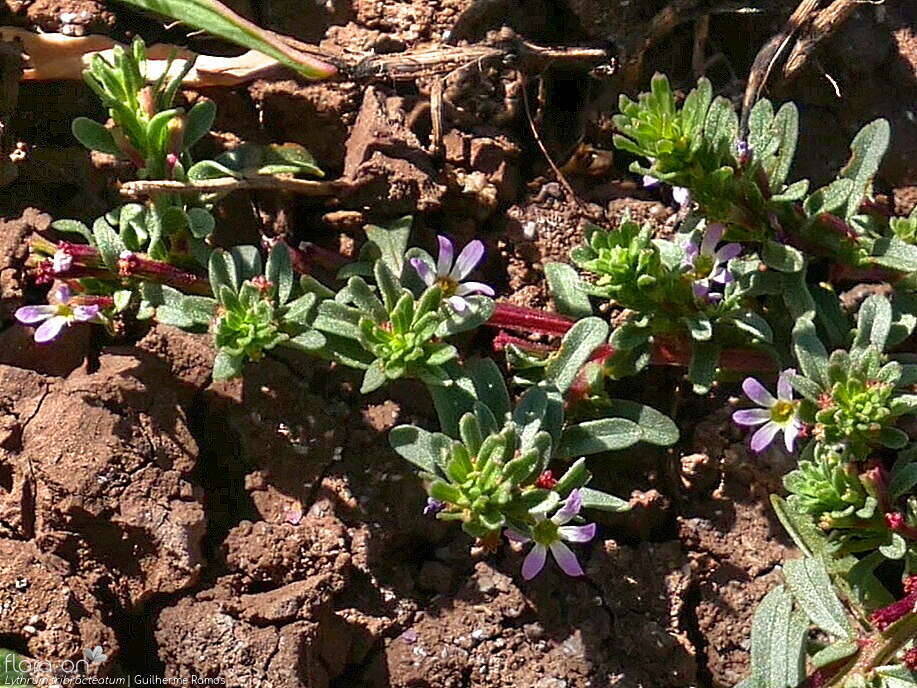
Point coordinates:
[[14, 249], [385, 162], [47, 607], [70, 17], [111, 454], [286, 636]]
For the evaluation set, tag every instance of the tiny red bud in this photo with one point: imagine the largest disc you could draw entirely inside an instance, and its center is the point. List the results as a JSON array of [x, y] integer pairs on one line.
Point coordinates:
[[546, 481], [910, 659]]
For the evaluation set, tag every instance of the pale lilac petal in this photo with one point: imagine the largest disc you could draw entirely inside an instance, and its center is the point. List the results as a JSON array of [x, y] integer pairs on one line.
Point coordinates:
[[790, 433], [424, 271], [50, 329], [534, 562], [701, 290], [444, 259], [85, 313], [62, 294], [29, 315], [459, 304], [566, 559], [728, 252], [577, 533], [712, 237], [721, 275], [681, 195], [755, 391], [569, 510], [751, 416], [764, 436], [784, 387], [467, 288], [468, 259], [650, 182], [516, 536], [61, 262]]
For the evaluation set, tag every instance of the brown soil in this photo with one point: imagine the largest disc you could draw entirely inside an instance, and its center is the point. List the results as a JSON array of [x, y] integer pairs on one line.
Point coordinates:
[[261, 530]]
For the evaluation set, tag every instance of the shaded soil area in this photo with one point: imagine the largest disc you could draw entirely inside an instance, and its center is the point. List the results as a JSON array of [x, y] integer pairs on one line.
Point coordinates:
[[261, 530]]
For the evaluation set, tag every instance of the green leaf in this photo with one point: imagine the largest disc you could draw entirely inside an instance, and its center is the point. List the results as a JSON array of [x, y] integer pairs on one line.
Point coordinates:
[[782, 257], [489, 386], [219, 20], [480, 309], [373, 378], [226, 366], [567, 290], [867, 150], [95, 136], [594, 499], [778, 641], [896, 549], [655, 427], [574, 477], [828, 199], [210, 169], [703, 366], [810, 352], [248, 261], [591, 437], [418, 446], [200, 120], [309, 341], [903, 480], [289, 158], [201, 223], [894, 254], [834, 653], [392, 242], [222, 272], [279, 271], [810, 584], [75, 227], [874, 322], [577, 346], [108, 242]]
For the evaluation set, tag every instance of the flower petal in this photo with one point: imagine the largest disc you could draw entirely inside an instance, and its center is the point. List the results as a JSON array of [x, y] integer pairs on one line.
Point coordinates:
[[577, 533], [50, 329], [650, 182], [764, 436], [755, 391], [701, 290], [784, 387], [61, 295], [424, 271], [790, 433], [444, 259], [566, 559], [751, 416], [534, 562], [727, 252], [468, 259], [569, 510], [459, 304], [85, 313], [681, 195], [712, 237], [467, 288], [516, 536], [29, 315]]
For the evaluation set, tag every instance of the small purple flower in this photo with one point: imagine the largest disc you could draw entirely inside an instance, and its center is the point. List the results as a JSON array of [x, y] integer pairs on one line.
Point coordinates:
[[449, 274], [708, 264], [743, 152], [54, 317], [549, 534], [680, 194], [774, 415], [433, 507]]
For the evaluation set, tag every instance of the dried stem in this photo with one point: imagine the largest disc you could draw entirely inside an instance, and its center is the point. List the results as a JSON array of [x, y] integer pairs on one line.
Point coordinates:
[[305, 187]]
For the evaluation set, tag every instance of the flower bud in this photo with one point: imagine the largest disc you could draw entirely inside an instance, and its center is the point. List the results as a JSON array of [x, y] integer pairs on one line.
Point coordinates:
[[147, 102]]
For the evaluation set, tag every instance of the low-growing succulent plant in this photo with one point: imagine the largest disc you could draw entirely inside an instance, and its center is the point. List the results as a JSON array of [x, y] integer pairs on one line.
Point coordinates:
[[490, 467]]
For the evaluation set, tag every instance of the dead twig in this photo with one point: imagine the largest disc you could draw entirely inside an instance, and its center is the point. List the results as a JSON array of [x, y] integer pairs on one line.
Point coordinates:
[[823, 25], [58, 57], [305, 187], [809, 27]]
